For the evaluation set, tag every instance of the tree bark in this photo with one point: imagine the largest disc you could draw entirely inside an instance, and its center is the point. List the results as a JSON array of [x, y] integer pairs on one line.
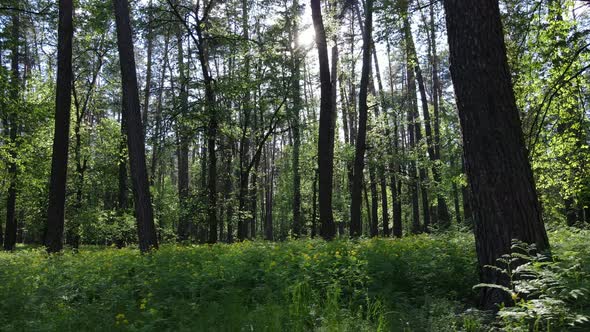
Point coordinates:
[[359, 161], [326, 128], [148, 75], [505, 203], [296, 59], [135, 140], [59, 159], [183, 147]]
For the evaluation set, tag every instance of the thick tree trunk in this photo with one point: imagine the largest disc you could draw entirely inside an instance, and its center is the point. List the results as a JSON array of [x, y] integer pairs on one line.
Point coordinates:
[[504, 196], [326, 128], [359, 160], [63, 99], [135, 140]]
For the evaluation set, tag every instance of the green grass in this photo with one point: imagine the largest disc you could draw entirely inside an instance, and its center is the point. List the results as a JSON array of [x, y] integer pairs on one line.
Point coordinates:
[[421, 283]]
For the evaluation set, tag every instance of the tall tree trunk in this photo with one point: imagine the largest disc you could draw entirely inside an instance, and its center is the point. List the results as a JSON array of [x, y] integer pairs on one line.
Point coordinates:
[[326, 128], [156, 140], [505, 201], [456, 196], [359, 160], [183, 147], [374, 228], [314, 214], [412, 172], [212, 126], [135, 140], [296, 59], [59, 159], [436, 87], [122, 162], [415, 121], [10, 230], [148, 75], [442, 209], [394, 165], [123, 203]]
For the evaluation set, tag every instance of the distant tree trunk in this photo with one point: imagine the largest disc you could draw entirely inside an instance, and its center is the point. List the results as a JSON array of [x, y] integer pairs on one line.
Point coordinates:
[[59, 160], [314, 209], [394, 165], [148, 74], [436, 88], [135, 140], [416, 128], [326, 128], [156, 140], [374, 228], [10, 230], [296, 59], [245, 138], [442, 208], [183, 147], [465, 193], [456, 196], [268, 220], [123, 201], [359, 161], [413, 176], [504, 196]]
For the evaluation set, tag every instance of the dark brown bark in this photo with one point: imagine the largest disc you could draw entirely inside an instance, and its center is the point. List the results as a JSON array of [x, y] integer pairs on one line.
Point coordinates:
[[359, 161], [135, 140], [505, 203], [59, 160], [326, 128]]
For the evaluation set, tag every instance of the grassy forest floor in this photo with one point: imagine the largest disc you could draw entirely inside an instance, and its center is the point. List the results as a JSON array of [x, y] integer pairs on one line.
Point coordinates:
[[417, 283]]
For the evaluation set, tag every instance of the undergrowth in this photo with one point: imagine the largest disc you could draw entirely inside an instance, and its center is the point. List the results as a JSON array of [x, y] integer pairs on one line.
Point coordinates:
[[419, 283]]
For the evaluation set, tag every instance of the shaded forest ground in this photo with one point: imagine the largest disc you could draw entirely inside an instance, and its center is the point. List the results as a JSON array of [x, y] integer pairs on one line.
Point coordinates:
[[417, 283]]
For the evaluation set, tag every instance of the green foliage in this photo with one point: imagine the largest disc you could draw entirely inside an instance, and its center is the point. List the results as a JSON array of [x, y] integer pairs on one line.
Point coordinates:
[[549, 293], [382, 284]]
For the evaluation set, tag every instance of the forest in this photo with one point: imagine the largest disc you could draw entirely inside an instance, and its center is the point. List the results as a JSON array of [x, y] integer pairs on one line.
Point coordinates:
[[290, 165]]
